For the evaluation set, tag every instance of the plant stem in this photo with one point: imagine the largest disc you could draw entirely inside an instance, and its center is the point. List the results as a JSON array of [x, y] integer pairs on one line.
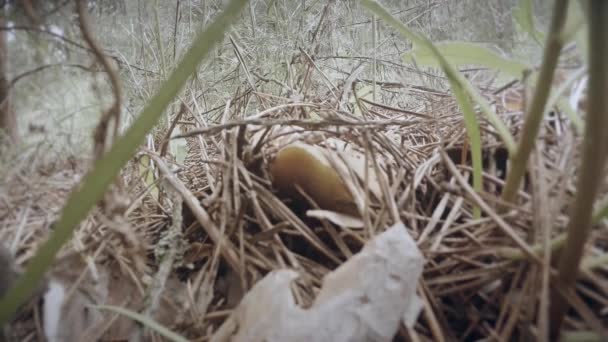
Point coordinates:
[[594, 156], [516, 254], [555, 244], [536, 110], [105, 170]]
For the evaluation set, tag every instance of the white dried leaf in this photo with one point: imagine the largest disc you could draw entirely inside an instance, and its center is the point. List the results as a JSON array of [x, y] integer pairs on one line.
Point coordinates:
[[339, 219], [365, 299]]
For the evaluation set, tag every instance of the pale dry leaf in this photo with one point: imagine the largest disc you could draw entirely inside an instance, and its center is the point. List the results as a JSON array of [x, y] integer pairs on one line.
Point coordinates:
[[365, 299], [342, 220]]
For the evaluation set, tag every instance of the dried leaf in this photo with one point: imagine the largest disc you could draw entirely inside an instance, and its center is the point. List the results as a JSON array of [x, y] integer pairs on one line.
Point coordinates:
[[365, 299], [339, 219]]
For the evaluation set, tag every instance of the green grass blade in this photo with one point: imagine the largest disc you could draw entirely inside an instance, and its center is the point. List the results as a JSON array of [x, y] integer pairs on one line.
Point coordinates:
[[524, 16], [576, 28], [463, 53], [146, 321], [601, 214], [580, 336], [470, 122], [572, 114], [535, 111], [105, 170], [454, 76], [463, 91], [557, 99]]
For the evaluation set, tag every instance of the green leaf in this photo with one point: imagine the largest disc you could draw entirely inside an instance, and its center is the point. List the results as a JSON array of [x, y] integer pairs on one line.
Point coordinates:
[[601, 214], [462, 53], [367, 92], [454, 76], [557, 99], [148, 175], [364, 93], [470, 122], [580, 336], [106, 169], [179, 148], [524, 16], [462, 89], [571, 113], [146, 321], [576, 29]]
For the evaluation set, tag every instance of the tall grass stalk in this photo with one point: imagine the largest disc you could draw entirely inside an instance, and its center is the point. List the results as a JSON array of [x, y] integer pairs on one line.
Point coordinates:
[[107, 168], [536, 111], [591, 174], [463, 91]]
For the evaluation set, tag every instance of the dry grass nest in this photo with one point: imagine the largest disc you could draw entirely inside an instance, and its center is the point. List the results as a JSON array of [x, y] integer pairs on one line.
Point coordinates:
[[195, 237]]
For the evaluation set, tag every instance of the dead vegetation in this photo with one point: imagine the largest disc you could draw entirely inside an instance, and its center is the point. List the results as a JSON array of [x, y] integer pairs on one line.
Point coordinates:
[[182, 242], [195, 237]]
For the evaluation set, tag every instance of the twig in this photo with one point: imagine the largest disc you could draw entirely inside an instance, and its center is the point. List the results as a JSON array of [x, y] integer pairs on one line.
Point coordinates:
[[170, 243], [165, 143], [30, 12], [114, 111], [47, 66], [484, 207], [398, 110], [301, 123], [68, 41], [226, 247], [175, 26]]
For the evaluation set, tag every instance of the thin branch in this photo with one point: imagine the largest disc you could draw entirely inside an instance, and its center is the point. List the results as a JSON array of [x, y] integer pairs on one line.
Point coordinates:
[[48, 66], [114, 111], [68, 41], [165, 143], [301, 123], [227, 249]]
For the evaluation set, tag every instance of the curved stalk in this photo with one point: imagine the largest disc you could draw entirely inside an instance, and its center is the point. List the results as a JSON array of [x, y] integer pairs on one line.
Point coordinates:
[[106, 169], [594, 151], [536, 110]]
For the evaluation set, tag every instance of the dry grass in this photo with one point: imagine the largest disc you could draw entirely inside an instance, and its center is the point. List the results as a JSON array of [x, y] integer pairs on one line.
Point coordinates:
[[226, 227]]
